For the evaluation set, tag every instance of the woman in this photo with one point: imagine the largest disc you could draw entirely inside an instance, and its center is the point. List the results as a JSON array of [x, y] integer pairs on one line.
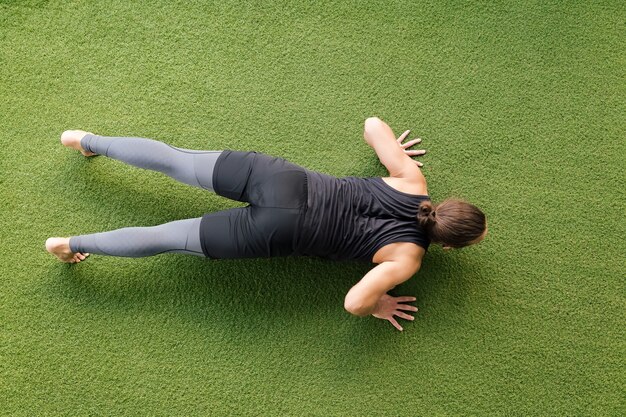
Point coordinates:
[[292, 211]]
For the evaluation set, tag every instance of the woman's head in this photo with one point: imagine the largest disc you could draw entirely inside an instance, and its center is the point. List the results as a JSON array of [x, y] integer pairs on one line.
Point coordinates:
[[453, 223]]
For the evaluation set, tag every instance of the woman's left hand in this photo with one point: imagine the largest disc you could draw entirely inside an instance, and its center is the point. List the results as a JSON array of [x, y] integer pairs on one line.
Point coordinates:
[[410, 143], [388, 306]]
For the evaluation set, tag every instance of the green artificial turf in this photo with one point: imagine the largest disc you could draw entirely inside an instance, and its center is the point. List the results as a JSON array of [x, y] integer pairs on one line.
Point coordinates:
[[521, 108]]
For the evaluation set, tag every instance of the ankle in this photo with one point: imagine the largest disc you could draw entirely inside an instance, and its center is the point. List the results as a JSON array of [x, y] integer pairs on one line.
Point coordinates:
[[65, 245], [84, 142]]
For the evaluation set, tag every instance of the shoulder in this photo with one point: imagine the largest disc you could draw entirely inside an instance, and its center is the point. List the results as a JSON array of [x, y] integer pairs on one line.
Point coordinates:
[[406, 253], [409, 184]]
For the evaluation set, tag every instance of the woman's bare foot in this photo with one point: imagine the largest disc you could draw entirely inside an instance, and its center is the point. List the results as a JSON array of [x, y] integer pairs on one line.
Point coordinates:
[[60, 247], [71, 139]]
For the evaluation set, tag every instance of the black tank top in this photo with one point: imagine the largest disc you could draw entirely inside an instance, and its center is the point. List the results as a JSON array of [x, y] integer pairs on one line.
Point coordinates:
[[353, 217]]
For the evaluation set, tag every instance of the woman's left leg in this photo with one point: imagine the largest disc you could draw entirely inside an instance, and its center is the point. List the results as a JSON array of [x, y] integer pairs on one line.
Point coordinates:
[[180, 236], [189, 166]]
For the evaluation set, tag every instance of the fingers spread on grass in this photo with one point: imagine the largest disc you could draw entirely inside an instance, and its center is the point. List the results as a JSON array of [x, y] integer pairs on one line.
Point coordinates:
[[411, 143], [405, 298], [406, 307], [416, 152], [395, 323], [403, 315], [402, 137]]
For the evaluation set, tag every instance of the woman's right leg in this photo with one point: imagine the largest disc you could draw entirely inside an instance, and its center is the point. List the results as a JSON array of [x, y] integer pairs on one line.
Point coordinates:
[[192, 167], [180, 236]]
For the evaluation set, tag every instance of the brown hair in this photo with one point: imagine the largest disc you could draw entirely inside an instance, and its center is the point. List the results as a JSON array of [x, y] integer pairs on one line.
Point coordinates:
[[452, 222]]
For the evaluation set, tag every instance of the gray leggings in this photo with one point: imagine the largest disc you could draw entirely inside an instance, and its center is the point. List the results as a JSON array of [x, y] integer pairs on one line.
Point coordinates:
[[185, 165]]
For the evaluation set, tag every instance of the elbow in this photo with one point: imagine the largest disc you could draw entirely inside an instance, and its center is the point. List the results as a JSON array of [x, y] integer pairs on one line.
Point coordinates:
[[371, 124], [355, 308], [372, 121], [370, 128]]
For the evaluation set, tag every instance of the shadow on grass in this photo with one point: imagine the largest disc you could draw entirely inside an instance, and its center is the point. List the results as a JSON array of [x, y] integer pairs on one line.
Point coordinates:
[[156, 200], [257, 293]]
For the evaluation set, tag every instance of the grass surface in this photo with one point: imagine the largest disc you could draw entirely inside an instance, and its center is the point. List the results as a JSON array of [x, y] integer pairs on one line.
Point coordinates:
[[521, 108]]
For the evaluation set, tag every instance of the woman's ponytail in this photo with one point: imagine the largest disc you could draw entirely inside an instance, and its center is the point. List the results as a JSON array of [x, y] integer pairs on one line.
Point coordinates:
[[426, 215], [456, 223]]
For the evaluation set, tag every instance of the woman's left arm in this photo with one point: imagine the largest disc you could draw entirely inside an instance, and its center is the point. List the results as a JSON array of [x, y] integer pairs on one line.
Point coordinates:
[[369, 295], [391, 152]]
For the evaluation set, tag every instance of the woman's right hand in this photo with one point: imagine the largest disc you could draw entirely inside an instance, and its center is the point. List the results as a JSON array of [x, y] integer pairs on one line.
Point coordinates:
[[408, 145], [388, 306]]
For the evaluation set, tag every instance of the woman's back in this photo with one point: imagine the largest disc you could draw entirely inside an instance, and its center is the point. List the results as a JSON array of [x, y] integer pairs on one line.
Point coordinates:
[[353, 217]]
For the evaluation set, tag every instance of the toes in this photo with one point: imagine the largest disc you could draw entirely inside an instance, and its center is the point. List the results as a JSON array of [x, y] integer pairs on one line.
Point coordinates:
[[80, 256]]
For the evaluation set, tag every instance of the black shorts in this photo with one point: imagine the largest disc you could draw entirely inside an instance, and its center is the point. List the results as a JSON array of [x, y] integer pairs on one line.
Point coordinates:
[[276, 191]]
